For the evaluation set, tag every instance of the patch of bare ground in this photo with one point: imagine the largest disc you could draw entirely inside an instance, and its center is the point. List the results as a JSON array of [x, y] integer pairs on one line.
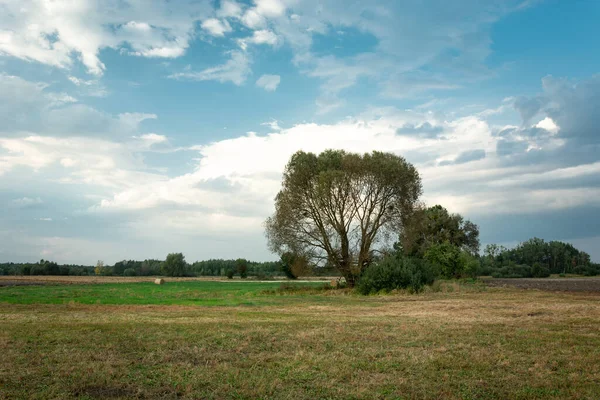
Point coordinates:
[[590, 285]]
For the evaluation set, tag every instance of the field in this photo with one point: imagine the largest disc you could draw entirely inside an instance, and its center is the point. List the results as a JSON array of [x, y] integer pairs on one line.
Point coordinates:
[[210, 339]]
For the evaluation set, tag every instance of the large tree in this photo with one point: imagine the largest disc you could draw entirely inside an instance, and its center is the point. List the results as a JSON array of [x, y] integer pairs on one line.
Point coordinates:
[[338, 207]]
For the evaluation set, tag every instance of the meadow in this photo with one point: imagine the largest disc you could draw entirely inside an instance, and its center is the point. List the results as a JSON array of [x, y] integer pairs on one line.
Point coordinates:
[[235, 340]]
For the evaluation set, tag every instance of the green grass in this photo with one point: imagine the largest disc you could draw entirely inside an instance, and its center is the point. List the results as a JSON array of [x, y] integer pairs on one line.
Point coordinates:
[[245, 340], [201, 293]]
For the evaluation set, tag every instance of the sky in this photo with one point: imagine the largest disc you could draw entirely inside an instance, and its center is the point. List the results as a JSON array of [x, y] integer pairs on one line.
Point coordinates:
[[130, 129]]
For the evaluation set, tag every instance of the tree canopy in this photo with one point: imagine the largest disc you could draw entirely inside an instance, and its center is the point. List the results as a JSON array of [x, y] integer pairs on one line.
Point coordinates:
[[435, 225], [174, 265], [337, 207]]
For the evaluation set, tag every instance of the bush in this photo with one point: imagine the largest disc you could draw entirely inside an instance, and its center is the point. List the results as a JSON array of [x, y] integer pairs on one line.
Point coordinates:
[[396, 272], [470, 265], [587, 270], [230, 274], [540, 270], [446, 258], [129, 272]]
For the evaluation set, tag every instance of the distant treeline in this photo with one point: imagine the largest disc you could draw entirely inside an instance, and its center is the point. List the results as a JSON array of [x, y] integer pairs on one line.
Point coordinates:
[[533, 258], [213, 267], [536, 258]]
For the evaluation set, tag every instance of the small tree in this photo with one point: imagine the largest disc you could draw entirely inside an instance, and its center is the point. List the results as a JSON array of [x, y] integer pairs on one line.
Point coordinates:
[[242, 267], [100, 269], [174, 265]]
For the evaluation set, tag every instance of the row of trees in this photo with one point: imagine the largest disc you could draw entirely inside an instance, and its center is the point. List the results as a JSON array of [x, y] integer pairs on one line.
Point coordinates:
[[173, 265], [45, 267], [536, 258]]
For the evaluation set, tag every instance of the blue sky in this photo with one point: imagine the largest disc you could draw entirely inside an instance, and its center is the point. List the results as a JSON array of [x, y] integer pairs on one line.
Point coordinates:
[[131, 129]]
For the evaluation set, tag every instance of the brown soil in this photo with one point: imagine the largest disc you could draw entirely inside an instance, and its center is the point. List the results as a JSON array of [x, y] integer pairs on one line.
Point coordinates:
[[591, 285]]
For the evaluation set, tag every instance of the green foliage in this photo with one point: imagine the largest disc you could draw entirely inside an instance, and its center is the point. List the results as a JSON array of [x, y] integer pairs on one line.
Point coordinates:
[[174, 265], [325, 197], [538, 270], [396, 272], [230, 274], [589, 270], [217, 267], [435, 225], [446, 259], [242, 267], [471, 265], [513, 270], [129, 272], [536, 258]]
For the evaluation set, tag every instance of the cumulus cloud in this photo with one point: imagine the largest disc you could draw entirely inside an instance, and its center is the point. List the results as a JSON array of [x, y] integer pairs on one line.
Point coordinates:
[[229, 9], [57, 34], [268, 82], [216, 27]]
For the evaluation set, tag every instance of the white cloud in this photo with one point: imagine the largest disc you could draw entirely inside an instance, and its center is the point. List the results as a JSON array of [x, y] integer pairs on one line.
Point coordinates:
[[262, 36], [253, 20], [235, 70], [270, 8], [229, 9], [269, 82], [91, 87], [273, 124], [216, 27], [255, 163], [58, 33], [151, 139], [548, 124]]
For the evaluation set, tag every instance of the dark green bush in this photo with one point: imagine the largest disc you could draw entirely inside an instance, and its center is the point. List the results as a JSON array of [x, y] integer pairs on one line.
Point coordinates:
[[129, 272], [540, 270], [587, 270], [230, 274], [451, 261], [396, 272]]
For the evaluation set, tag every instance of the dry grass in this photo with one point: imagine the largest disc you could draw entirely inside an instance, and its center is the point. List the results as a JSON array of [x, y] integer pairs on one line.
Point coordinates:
[[498, 343]]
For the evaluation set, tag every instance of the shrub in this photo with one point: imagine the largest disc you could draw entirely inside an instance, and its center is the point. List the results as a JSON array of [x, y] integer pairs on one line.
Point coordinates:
[[396, 272], [540, 270], [230, 274], [129, 272], [446, 258], [470, 265], [587, 270]]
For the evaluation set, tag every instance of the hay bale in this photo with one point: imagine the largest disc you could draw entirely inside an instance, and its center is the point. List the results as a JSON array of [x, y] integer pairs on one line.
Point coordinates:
[[334, 283], [159, 281]]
